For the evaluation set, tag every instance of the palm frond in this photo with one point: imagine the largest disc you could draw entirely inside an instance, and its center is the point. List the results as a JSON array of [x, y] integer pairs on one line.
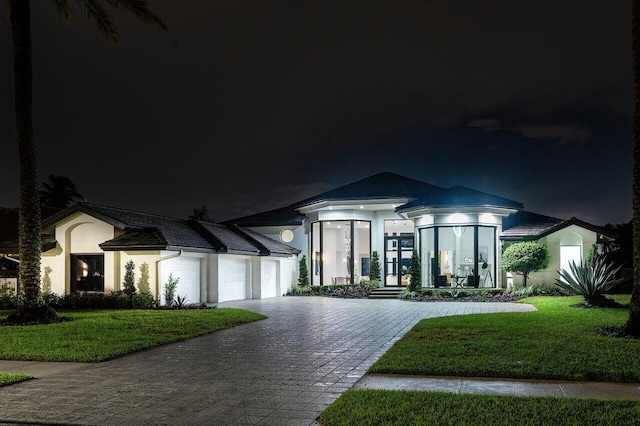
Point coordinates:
[[62, 6], [99, 16], [140, 9]]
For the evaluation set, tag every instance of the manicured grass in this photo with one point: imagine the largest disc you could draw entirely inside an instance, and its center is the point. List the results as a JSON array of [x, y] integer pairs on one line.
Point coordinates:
[[93, 336], [411, 408], [10, 378], [556, 342]]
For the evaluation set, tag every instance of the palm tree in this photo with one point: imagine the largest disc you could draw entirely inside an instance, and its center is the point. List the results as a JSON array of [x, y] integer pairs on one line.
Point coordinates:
[[59, 191], [29, 221], [201, 213], [632, 325]]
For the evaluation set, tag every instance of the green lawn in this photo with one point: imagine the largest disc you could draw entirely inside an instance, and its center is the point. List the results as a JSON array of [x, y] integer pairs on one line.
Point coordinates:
[[92, 336], [410, 408], [556, 342], [10, 378]]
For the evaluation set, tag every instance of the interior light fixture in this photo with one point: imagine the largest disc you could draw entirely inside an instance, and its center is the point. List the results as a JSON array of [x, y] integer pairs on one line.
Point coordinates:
[[458, 230]]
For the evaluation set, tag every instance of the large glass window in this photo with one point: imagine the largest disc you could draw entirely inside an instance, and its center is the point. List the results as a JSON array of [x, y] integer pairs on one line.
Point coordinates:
[[486, 256], [361, 250], [427, 250], [458, 256], [340, 251]]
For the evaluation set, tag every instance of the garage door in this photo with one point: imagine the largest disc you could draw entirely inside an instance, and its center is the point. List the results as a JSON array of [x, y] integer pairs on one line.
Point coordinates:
[[268, 278], [188, 270], [232, 284]]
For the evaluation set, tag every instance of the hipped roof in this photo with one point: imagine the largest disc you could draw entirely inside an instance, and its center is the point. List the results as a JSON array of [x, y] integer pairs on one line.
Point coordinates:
[[382, 186]]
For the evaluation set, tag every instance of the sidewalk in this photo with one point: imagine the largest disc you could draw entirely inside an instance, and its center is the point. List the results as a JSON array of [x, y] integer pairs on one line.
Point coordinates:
[[515, 387]]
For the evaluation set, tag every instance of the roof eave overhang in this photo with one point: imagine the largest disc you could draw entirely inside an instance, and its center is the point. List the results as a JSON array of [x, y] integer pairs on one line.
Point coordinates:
[[425, 210], [244, 252], [152, 247], [519, 237], [79, 208], [352, 203], [132, 247], [285, 224]]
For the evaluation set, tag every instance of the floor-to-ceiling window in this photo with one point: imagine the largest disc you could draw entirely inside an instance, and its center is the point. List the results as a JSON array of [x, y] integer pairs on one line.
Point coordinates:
[[459, 256], [340, 251]]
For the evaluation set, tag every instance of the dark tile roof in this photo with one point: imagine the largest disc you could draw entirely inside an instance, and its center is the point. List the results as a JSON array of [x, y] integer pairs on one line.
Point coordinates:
[[176, 232], [11, 246], [269, 245], [144, 231], [146, 239], [460, 196], [380, 186], [525, 225], [225, 239], [285, 216]]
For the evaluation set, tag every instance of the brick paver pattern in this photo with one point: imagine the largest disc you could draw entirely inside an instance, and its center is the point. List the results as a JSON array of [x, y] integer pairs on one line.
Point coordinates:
[[280, 371]]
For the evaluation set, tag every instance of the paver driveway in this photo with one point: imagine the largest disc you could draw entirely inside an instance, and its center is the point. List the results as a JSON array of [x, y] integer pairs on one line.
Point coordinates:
[[280, 371]]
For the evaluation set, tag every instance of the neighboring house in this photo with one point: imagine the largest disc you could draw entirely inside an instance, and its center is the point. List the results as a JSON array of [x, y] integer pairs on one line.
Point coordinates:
[[458, 232], [567, 240], [8, 232], [86, 247]]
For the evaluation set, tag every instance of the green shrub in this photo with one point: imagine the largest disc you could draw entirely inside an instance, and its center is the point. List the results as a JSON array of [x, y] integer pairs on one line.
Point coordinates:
[[143, 300], [297, 290], [591, 281], [374, 267]]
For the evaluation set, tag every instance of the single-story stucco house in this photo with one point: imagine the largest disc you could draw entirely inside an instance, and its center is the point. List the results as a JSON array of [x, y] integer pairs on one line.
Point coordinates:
[[458, 232], [86, 248]]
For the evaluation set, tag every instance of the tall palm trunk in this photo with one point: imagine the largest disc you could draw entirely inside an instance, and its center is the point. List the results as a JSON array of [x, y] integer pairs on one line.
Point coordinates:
[[633, 323], [30, 243]]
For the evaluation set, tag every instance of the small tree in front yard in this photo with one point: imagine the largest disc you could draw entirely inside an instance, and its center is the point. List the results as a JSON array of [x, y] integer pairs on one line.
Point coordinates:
[[523, 258], [374, 268], [415, 270], [303, 272], [128, 285]]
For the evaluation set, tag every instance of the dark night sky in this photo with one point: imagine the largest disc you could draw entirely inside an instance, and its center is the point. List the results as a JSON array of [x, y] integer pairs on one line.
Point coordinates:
[[246, 106]]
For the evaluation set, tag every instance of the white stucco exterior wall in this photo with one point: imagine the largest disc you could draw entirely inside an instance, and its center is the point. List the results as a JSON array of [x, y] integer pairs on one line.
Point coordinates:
[[78, 234], [553, 243]]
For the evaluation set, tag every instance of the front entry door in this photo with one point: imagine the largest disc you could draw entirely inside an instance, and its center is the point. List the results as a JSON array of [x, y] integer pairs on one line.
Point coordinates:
[[397, 253]]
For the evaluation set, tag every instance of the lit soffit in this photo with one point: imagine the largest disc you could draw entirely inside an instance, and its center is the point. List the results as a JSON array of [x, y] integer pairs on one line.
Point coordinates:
[[364, 205]]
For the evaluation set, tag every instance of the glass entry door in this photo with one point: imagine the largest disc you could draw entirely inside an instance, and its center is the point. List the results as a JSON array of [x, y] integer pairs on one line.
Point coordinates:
[[398, 252]]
